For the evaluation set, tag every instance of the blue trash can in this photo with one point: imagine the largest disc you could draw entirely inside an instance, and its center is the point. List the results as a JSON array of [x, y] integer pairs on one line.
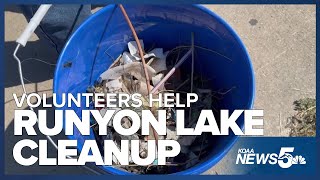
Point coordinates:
[[103, 36]]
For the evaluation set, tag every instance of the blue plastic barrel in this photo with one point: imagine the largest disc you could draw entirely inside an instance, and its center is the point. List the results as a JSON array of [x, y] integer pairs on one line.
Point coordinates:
[[103, 36]]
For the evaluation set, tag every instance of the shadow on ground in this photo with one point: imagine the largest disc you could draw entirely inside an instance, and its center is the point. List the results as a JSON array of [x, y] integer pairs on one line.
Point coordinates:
[[33, 69], [12, 167], [34, 72]]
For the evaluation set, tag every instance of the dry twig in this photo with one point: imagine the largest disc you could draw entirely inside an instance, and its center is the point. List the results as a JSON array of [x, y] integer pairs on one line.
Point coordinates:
[[142, 59]]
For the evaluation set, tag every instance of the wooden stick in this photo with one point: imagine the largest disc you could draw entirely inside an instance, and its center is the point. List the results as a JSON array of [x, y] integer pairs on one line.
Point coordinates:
[[171, 71], [192, 71], [155, 135], [139, 46]]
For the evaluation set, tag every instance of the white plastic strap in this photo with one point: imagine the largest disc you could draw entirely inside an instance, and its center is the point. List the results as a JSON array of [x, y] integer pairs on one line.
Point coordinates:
[[33, 24]]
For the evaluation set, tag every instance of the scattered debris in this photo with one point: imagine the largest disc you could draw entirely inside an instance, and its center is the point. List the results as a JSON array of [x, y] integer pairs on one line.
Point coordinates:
[[159, 60], [113, 85], [130, 74], [133, 48], [172, 134], [133, 69], [127, 58], [303, 123], [126, 76], [156, 79]]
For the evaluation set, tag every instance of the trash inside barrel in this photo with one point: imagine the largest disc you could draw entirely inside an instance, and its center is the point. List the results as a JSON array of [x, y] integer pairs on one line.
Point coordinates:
[[105, 58]]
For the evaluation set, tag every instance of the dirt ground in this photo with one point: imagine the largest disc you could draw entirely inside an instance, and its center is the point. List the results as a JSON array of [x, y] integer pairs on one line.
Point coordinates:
[[281, 40]]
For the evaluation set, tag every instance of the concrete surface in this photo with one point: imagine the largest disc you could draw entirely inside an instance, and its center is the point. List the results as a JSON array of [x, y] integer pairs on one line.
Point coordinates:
[[280, 40]]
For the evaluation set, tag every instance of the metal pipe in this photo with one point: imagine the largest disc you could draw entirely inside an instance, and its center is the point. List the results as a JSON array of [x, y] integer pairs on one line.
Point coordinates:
[[171, 71]]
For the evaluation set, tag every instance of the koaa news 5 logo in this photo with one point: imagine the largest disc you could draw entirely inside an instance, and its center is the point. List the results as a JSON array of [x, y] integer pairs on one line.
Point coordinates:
[[284, 159]]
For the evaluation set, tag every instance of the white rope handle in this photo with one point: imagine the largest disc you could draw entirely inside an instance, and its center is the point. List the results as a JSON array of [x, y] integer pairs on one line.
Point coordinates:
[[22, 41]]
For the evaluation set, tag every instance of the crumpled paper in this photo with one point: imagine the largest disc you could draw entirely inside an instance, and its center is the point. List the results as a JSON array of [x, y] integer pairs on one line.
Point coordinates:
[[133, 68], [133, 49], [159, 63]]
